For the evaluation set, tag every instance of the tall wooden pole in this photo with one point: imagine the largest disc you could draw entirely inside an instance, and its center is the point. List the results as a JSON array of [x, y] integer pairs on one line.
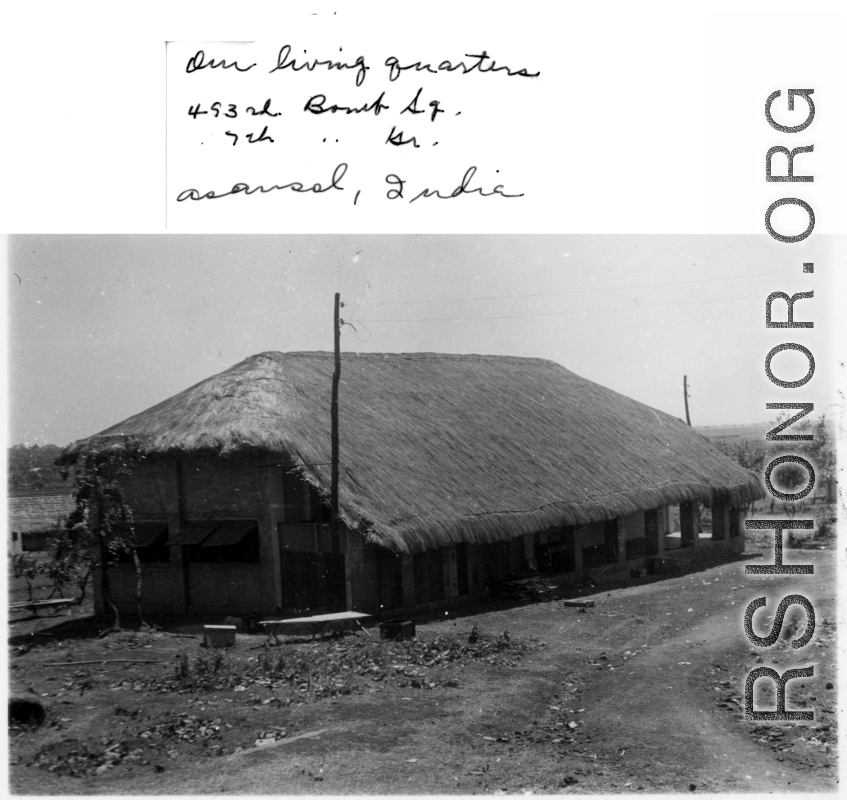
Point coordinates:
[[336, 378], [685, 392]]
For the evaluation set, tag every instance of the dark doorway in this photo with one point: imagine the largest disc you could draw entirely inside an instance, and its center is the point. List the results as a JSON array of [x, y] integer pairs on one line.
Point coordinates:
[[390, 579]]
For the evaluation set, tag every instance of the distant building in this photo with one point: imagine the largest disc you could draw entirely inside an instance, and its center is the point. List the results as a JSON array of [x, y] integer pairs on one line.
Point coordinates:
[[456, 471], [34, 516]]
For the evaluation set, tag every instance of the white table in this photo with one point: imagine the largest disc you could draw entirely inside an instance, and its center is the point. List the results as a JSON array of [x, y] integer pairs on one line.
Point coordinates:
[[340, 621]]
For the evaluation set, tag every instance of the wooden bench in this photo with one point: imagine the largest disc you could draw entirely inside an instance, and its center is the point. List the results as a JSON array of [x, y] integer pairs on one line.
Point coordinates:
[[36, 604], [322, 623]]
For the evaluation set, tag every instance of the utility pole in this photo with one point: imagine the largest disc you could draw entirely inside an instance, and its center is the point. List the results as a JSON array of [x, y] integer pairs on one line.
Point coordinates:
[[685, 392], [336, 379]]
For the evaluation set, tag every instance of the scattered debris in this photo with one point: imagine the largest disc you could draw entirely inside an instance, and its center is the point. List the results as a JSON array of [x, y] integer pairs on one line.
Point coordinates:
[[530, 588], [268, 743], [578, 603], [101, 663], [343, 666]]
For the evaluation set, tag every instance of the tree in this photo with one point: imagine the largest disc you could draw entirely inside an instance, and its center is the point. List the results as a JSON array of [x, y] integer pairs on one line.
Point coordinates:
[[32, 467], [820, 452], [749, 455], [69, 561], [27, 567], [101, 526]]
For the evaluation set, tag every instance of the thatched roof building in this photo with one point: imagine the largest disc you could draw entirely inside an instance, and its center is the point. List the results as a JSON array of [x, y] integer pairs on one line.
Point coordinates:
[[439, 449], [37, 512], [33, 516]]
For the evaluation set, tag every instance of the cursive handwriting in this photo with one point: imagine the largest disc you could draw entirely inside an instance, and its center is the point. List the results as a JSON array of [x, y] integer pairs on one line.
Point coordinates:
[[395, 69], [284, 61], [398, 186], [294, 186], [316, 104], [198, 61]]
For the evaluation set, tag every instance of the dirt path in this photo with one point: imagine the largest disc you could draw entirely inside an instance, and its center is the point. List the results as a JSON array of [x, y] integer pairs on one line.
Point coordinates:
[[640, 693], [654, 716], [655, 712]]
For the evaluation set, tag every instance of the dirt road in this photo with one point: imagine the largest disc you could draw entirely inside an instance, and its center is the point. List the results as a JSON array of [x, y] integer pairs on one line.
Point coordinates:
[[643, 692]]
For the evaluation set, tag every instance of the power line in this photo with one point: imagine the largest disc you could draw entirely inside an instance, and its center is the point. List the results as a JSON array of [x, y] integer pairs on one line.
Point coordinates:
[[583, 291], [564, 313]]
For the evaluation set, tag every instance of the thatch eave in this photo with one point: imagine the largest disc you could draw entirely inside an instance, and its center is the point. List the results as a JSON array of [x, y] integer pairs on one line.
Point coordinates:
[[416, 535]]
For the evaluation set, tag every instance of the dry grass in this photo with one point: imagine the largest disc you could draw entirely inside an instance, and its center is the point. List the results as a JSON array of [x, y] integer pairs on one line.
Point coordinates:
[[439, 449]]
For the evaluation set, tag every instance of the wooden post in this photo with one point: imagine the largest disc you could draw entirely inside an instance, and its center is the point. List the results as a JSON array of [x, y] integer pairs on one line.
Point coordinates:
[[336, 378], [685, 392]]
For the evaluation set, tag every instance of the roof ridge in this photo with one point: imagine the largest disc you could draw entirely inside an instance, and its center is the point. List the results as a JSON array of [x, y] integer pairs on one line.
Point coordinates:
[[422, 356]]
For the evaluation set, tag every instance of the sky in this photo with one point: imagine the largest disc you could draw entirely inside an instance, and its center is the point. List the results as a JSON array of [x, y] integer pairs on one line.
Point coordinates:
[[102, 327]]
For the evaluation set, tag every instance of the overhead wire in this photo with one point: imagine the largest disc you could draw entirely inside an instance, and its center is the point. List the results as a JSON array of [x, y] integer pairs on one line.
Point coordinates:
[[564, 313], [575, 292]]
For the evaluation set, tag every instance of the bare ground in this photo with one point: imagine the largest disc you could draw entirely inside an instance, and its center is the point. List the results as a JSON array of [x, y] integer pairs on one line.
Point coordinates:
[[643, 692]]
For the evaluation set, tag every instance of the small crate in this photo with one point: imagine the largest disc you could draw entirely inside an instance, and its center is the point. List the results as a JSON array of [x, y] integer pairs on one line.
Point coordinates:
[[399, 629], [219, 635]]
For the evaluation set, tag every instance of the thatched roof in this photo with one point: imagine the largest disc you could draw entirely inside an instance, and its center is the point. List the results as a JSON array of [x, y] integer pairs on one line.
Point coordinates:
[[446, 448], [39, 512]]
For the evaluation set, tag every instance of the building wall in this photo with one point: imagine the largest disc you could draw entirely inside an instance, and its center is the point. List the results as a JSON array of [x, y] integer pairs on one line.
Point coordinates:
[[223, 487], [176, 490], [161, 588], [152, 491], [592, 534], [363, 574], [227, 588], [632, 525]]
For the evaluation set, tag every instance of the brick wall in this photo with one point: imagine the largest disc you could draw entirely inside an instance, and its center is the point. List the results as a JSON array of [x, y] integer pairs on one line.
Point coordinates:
[[151, 491], [232, 587], [175, 490], [161, 585], [222, 487], [592, 534], [632, 525], [210, 486]]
